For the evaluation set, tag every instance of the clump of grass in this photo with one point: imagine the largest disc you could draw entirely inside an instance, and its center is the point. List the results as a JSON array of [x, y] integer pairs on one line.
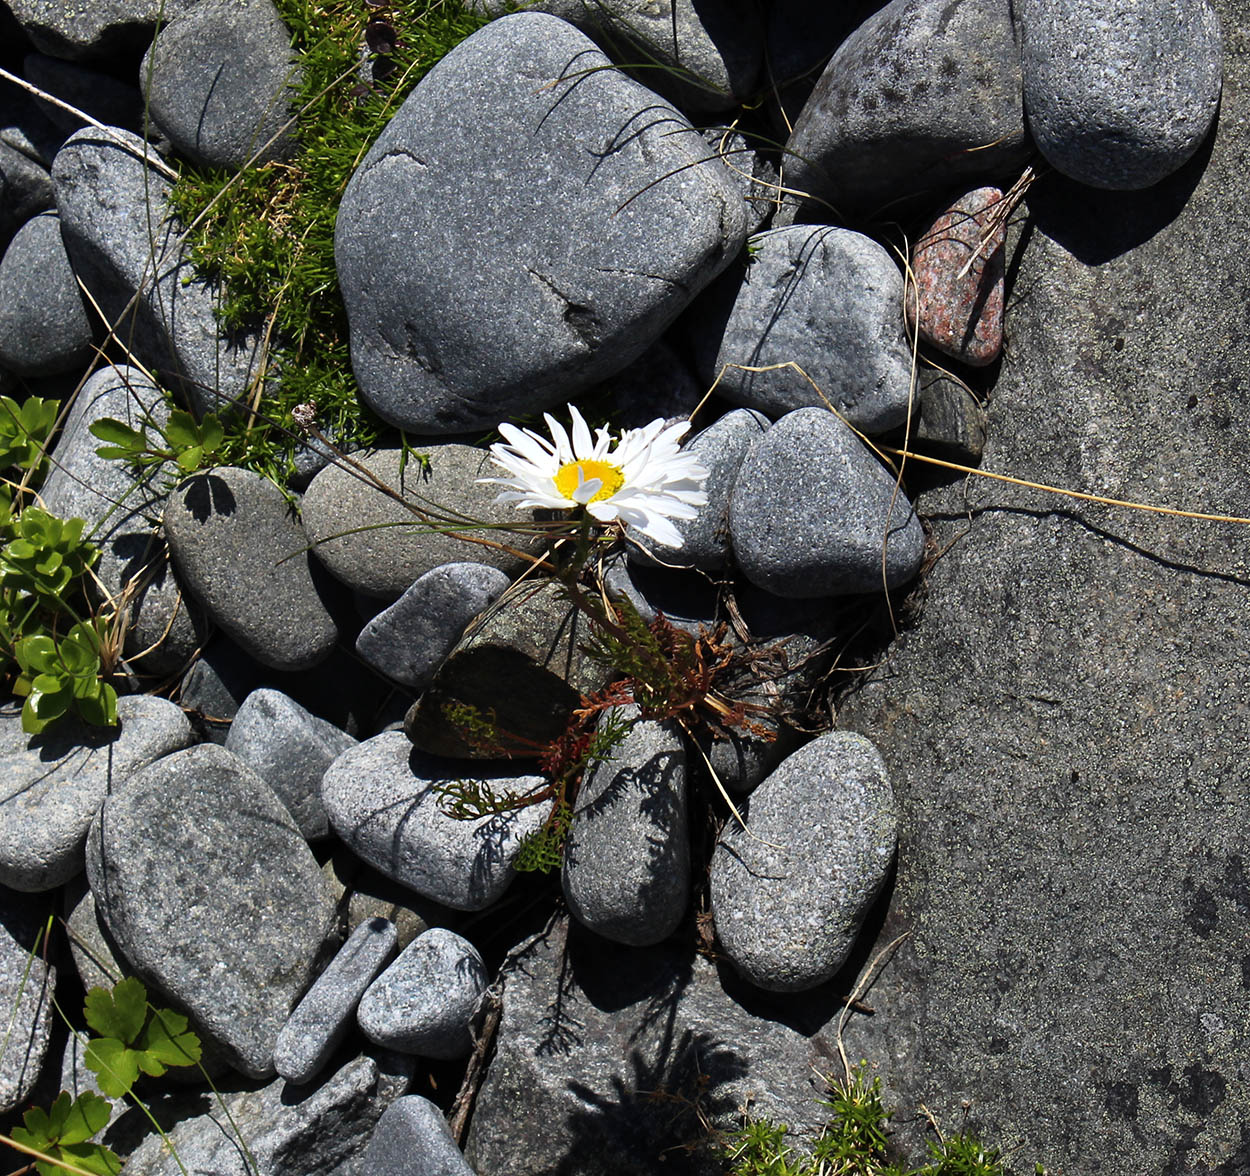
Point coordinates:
[[270, 239]]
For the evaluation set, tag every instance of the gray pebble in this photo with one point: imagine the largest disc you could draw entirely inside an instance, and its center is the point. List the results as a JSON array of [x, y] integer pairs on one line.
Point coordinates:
[[424, 1002], [26, 986], [812, 510], [325, 1014], [409, 640], [790, 896], [413, 1135], [290, 748]]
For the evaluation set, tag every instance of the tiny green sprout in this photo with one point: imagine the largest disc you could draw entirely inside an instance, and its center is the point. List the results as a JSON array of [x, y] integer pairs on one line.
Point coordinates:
[[134, 1037], [64, 1133]]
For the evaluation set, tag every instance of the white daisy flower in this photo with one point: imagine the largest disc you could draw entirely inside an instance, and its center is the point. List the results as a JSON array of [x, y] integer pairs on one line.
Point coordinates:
[[642, 480]]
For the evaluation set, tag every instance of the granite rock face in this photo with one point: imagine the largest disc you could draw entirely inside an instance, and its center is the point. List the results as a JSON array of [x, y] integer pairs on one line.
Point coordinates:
[[240, 550], [43, 326], [206, 885], [464, 328], [828, 301], [812, 511], [1119, 95], [1066, 726], [217, 79], [924, 94]]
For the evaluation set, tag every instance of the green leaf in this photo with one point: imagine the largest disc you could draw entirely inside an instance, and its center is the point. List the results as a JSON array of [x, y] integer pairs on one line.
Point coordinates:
[[119, 1013], [166, 1039], [212, 434], [116, 1067], [189, 459], [121, 435], [38, 1128], [93, 1157], [89, 1114], [181, 432]]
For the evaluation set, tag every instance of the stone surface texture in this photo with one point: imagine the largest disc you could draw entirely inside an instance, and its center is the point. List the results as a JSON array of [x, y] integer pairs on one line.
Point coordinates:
[[379, 546], [789, 897], [1066, 726], [111, 192], [409, 640], [826, 300], [923, 95], [383, 805], [290, 749], [241, 550], [91, 31], [812, 511], [413, 1133], [424, 1002], [203, 880], [958, 264], [44, 328], [326, 1012], [1119, 95], [54, 784], [26, 989], [218, 80], [462, 328], [626, 871]]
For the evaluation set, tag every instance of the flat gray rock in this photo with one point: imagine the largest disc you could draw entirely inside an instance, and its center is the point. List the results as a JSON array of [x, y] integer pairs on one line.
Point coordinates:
[[721, 448], [424, 1002], [702, 57], [218, 81], [290, 748], [454, 328], [812, 511], [375, 544], [123, 515], [111, 192], [211, 894], [288, 1131], [923, 95], [409, 640], [43, 325], [1119, 95], [326, 1013], [789, 897], [96, 31], [829, 301], [55, 783], [382, 803], [241, 551], [412, 1132], [26, 987], [626, 871]]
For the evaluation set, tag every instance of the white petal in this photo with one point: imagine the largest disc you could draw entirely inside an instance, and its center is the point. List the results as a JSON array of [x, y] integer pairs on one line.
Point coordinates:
[[564, 450], [582, 445], [586, 490]]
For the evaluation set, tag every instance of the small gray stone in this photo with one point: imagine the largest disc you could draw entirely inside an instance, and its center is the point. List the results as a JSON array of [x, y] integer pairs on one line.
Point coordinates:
[[321, 1020], [689, 600], [26, 986], [454, 328], [525, 663], [379, 546], [812, 510], [98, 31], [702, 57], [25, 189], [55, 782], [373, 895], [291, 750], [626, 869], [952, 420], [790, 895], [721, 448], [412, 1134], [95, 93], [1119, 95], [43, 326], [241, 550], [112, 194], [425, 1001], [923, 95], [281, 1130], [218, 80], [409, 640], [211, 894], [829, 301], [90, 945], [382, 800]]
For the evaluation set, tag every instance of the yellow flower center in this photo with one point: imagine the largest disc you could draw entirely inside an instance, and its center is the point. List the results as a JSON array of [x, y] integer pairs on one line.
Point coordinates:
[[611, 477]]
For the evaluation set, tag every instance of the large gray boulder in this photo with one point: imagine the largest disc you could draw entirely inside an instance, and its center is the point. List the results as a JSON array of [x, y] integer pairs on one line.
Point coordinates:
[[466, 302], [1066, 724]]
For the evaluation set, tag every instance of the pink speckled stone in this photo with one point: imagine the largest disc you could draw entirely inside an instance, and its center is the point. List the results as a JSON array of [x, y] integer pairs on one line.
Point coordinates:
[[961, 315]]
